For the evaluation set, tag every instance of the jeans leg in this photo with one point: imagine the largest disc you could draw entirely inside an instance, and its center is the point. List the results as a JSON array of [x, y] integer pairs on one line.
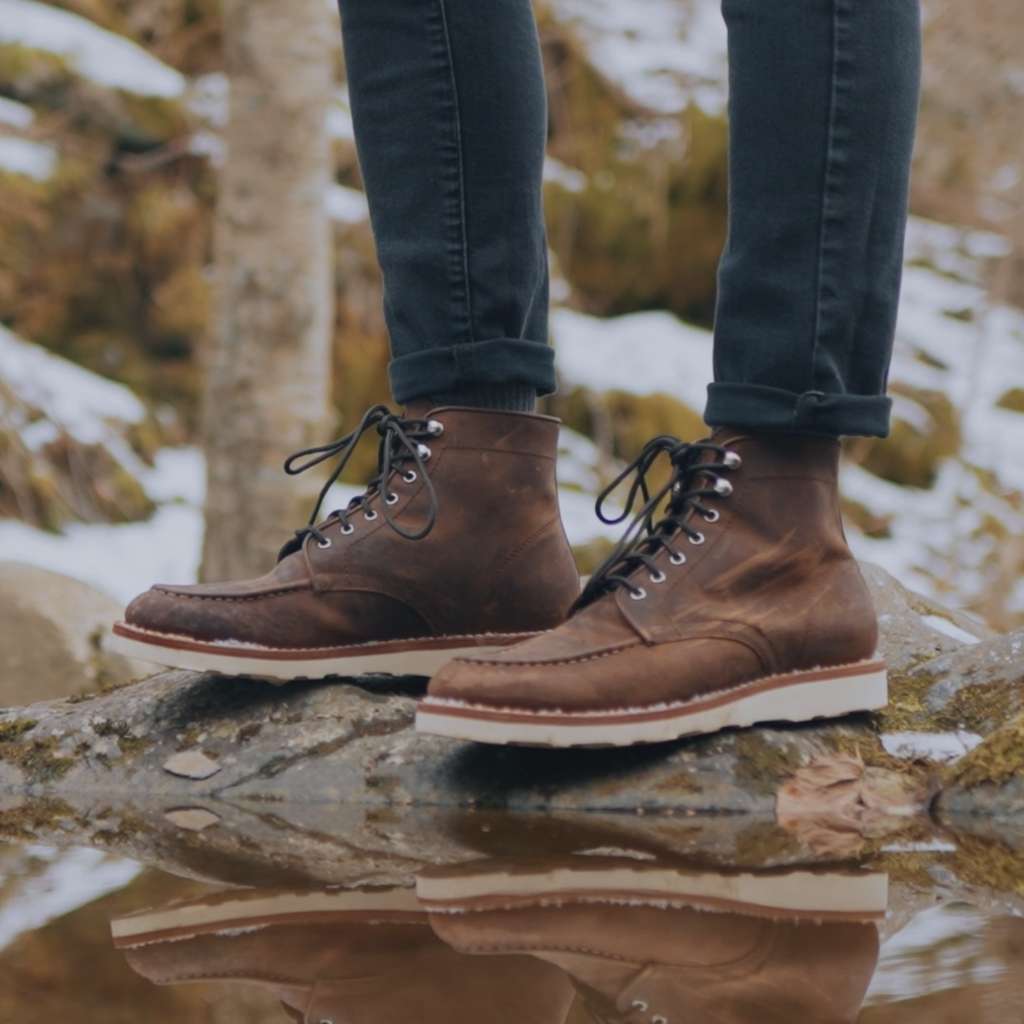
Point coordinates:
[[450, 115], [823, 108]]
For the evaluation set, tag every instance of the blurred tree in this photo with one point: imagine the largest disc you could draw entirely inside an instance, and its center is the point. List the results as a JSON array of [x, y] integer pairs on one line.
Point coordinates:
[[269, 364]]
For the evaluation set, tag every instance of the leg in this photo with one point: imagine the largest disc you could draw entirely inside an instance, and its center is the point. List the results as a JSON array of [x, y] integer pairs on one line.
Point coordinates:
[[450, 116], [457, 543], [734, 598], [823, 104]]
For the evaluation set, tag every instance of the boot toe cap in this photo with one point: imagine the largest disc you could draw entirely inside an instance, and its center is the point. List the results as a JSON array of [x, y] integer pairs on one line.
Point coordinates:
[[175, 611]]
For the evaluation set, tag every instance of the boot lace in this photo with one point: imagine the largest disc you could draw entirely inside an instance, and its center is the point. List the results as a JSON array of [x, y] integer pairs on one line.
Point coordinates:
[[692, 484], [402, 449]]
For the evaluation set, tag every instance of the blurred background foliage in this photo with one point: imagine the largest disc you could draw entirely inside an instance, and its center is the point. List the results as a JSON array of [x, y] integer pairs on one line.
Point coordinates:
[[105, 259]]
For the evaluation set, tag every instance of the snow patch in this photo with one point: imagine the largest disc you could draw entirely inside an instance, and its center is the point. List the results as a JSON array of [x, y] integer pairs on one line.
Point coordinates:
[[82, 403], [346, 205], [72, 879], [931, 746], [663, 53], [15, 114], [643, 353], [93, 52], [32, 159], [951, 629]]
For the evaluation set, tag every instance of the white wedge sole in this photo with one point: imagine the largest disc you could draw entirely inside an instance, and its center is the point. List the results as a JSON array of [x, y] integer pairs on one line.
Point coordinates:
[[819, 895], [256, 908], [422, 657], [793, 697]]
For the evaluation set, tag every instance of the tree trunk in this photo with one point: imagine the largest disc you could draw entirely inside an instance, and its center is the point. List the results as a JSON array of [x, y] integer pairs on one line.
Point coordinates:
[[268, 369]]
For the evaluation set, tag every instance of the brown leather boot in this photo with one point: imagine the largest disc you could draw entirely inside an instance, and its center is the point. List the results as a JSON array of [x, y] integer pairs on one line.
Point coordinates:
[[343, 957], [638, 958], [732, 599], [457, 545]]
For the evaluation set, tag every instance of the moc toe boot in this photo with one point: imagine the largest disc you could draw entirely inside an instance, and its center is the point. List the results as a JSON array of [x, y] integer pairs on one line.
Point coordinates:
[[732, 599], [638, 962], [457, 545]]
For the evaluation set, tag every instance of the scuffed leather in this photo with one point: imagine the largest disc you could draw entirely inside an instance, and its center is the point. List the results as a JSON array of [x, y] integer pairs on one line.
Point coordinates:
[[497, 560], [773, 589]]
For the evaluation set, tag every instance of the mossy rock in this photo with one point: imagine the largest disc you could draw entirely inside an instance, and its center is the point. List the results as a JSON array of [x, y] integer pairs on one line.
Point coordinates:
[[590, 556], [911, 456], [1012, 400], [625, 422], [26, 73], [648, 228], [869, 523], [997, 760]]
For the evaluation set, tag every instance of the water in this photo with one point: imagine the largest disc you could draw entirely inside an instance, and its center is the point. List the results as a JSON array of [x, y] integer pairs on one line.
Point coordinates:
[[288, 913]]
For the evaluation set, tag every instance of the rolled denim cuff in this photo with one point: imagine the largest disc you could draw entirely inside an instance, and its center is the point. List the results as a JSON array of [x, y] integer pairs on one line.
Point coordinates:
[[495, 361], [757, 407]]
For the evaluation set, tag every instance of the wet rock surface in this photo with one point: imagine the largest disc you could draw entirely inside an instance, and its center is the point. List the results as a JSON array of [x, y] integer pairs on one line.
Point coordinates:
[[183, 737]]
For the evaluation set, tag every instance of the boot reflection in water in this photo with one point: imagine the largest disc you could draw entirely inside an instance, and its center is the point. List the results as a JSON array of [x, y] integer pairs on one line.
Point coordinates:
[[648, 945], [361, 957]]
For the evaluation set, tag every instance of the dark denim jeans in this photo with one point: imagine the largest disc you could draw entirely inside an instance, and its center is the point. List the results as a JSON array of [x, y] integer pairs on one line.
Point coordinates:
[[449, 108]]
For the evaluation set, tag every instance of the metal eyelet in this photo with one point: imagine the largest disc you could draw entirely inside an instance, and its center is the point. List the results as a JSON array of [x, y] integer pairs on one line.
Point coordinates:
[[435, 428], [722, 487], [638, 1004], [712, 515], [410, 477], [370, 516], [677, 558], [697, 539], [658, 577], [659, 1020], [347, 529], [325, 543], [423, 452], [327, 1020], [732, 460], [391, 499], [638, 595]]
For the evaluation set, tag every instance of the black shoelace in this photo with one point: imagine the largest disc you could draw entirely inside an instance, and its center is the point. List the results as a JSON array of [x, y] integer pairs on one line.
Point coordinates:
[[654, 529], [402, 448]]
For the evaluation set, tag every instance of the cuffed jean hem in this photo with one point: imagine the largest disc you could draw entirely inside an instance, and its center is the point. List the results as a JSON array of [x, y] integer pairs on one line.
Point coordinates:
[[764, 408], [495, 361]]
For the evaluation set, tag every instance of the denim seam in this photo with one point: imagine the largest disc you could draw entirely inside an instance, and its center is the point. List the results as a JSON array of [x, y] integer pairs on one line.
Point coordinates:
[[831, 188], [461, 250]]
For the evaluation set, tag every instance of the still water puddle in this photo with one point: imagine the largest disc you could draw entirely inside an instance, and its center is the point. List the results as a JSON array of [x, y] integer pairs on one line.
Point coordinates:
[[600, 934]]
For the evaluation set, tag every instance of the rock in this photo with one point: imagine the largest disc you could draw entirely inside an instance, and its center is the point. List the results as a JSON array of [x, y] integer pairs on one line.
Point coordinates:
[[989, 781], [54, 631], [912, 625], [192, 819], [184, 737], [191, 764], [834, 802]]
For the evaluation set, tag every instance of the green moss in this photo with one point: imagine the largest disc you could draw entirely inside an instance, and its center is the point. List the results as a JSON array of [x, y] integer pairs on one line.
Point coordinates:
[[13, 730], [988, 863], [39, 816], [38, 759], [906, 708], [998, 759], [127, 741], [762, 764], [764, 844]]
